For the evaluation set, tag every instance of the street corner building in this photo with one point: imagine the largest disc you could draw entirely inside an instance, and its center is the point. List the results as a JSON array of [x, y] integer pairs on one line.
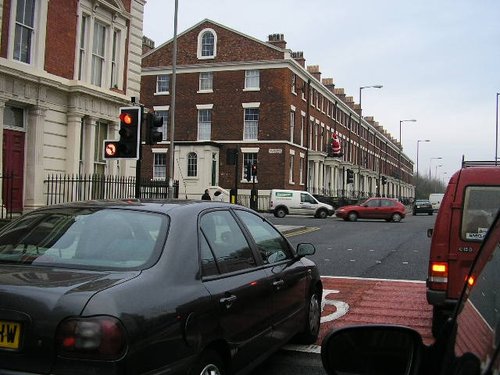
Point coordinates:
[[241, 102], [66, 67]]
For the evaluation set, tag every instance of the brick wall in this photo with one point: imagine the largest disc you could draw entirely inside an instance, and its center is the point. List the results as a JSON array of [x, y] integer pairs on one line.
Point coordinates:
[[61, 37]]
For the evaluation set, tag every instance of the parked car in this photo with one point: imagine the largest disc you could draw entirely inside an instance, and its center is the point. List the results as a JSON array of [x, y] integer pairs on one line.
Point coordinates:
[[132, 287], [373, 208], [470, 203], [422, 206], [467, 345], [285, 202]]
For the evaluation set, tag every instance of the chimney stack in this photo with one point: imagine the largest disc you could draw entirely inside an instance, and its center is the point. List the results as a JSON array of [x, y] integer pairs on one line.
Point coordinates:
[[277, 40], [299, 57], [314, 70], [147, 44], [329, 84]]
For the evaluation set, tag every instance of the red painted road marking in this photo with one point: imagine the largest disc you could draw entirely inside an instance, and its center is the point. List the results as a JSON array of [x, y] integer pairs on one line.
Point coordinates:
[[374, 301]]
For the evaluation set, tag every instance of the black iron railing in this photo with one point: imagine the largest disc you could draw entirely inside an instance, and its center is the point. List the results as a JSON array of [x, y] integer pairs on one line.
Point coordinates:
[[70, 188]]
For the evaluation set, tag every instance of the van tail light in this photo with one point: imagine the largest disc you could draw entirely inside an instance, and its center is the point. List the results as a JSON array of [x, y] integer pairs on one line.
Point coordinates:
[[438, 275], [97, 337]]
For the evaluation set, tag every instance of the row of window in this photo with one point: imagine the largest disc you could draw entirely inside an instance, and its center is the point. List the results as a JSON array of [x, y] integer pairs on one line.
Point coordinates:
[[250, 124], [206, 82], [101, 36]]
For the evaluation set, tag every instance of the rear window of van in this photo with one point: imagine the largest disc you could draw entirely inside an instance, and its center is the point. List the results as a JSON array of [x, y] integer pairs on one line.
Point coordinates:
[[481, 204]]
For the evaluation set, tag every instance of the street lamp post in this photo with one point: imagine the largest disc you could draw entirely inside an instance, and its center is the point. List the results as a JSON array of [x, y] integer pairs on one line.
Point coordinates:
[[172, 106], [496, 132], [430, 165], [399, 156], [360, 118], [417, 177]]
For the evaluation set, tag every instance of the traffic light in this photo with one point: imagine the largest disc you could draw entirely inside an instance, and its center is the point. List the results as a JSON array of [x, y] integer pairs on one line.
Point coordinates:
[[248, 172], [384, 180], [153, 122], [350, 176], [254, 169], [127, 147]]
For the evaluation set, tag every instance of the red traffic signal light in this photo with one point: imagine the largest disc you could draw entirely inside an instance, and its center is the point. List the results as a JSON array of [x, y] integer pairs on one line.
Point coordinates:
[[126, 118], [127, 147]]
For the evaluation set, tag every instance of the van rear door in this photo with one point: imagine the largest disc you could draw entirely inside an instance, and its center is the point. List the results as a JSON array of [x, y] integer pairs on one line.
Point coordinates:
[[470, 222]]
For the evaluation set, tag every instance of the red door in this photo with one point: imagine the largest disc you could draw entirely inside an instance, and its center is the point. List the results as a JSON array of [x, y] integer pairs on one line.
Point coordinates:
[[13, 166]]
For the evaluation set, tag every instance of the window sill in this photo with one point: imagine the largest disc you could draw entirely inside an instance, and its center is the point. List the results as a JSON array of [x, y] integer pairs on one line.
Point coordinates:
[[161, 93], [251, 89]]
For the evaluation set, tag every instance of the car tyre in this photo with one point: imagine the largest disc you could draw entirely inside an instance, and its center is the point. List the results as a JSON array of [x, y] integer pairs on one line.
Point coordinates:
[[439, 318], [208, 363], [430, 213], [280, 212], [396, 217], [322, 214], [312, 320], [352, 216], [414, 213]]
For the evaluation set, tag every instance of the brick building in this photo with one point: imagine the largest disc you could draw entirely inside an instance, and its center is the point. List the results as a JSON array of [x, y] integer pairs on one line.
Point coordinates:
[[234, 92], [66, 66]]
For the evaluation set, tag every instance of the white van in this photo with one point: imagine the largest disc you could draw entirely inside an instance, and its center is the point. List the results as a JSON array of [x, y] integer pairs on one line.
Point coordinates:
[[435, 199], [295, 202]]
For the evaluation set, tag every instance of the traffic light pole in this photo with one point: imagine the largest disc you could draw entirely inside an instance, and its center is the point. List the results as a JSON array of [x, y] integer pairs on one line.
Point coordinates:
[[233, 194], [138, 161], [253, 196]]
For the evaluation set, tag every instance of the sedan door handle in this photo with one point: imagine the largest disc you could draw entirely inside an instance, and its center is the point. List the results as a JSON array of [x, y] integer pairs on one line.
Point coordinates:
[[228, 301], [279, 283]]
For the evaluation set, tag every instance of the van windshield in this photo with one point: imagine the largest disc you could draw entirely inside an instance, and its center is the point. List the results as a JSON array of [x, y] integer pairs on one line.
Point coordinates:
[[480, 208]]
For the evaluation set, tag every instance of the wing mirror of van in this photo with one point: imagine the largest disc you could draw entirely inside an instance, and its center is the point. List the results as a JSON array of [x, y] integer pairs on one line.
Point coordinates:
[[430, 231], [371, 350]]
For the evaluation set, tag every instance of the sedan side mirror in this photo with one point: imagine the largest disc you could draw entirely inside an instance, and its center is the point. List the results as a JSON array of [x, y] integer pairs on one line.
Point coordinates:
[[304, 249], [372, 350], [430, 231]]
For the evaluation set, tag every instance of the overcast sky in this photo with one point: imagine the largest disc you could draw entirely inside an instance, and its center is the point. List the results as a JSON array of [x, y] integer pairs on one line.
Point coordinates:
[[438, 60]]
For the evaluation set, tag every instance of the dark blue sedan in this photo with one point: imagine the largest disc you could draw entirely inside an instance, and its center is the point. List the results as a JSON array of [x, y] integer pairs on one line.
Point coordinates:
[[132, 287]]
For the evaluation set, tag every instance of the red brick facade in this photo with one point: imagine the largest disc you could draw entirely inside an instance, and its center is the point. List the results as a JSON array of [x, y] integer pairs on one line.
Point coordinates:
[[236, 53]]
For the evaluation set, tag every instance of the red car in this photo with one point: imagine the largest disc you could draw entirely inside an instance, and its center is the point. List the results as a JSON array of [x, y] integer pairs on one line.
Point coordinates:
[[373, 208]]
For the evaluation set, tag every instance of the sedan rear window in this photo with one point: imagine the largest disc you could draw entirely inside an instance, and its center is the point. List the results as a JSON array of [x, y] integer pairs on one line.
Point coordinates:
[[88, 238]]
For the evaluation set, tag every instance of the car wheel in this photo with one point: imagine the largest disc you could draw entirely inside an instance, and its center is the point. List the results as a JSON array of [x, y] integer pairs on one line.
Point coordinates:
[[280, 212], [414, 213], [439, 318], [430, 213], [208, 363], [312, 322], [352, 216], [322, 214], [396, 217]]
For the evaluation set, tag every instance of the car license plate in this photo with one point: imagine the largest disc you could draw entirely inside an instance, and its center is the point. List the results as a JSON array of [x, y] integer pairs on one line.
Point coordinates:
[[10, 334]]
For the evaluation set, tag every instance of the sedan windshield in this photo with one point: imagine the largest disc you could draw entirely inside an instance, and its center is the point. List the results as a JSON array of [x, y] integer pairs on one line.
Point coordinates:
[[83, 238]]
